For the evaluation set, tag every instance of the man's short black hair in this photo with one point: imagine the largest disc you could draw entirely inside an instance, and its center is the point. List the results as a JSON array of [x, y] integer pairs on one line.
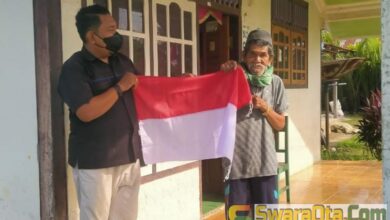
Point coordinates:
[[88, 19]]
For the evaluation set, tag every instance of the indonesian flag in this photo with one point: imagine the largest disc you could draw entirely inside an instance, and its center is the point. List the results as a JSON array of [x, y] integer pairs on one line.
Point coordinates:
[[189, 118]]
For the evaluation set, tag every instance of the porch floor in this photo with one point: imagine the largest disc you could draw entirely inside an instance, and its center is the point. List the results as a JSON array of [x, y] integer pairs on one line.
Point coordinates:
[[332, 182]]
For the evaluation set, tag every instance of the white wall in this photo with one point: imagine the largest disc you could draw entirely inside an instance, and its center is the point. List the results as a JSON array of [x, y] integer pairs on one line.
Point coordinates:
[[175, 197], [304, 104], [257, 14], [19, 174]]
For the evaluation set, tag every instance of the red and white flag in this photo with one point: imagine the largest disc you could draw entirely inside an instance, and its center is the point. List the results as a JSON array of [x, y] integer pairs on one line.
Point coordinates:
[[189, 118]]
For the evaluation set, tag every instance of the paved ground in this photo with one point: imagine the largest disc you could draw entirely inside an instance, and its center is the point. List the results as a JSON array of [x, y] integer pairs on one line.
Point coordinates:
[[332, 182], [338, 182]]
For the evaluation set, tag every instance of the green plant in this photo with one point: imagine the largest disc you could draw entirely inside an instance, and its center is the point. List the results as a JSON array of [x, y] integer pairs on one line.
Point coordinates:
[[364, 79], [326, 37], [350, 149], [371, 124]]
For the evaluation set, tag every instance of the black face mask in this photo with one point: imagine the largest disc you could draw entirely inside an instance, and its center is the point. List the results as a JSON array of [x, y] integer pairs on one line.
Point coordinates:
[[113, 43]]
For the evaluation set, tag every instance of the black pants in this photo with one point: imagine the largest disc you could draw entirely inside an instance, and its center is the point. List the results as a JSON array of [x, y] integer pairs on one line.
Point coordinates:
[[251, 191]]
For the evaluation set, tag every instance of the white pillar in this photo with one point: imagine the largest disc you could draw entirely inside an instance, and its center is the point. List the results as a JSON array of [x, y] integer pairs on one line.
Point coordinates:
[[386, 102]]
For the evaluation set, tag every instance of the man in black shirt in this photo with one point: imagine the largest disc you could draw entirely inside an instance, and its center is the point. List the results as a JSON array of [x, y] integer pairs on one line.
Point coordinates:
[[104, 150]]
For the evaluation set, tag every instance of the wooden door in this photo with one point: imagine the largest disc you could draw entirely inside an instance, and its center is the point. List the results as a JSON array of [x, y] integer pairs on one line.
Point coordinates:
[[214, 45]]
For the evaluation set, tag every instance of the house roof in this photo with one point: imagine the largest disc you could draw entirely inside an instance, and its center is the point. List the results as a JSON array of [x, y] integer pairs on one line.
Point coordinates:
[[351, 18], [334, 69]]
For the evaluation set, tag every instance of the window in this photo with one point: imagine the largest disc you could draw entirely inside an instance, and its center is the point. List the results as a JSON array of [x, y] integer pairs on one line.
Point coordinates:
[[289, 33], [100, 2], [174, 46], [173, 38], [299, 59], [281, 43], [132, 21]]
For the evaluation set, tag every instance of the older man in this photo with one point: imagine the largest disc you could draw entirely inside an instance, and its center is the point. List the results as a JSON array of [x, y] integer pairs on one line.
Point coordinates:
[[251, 178]]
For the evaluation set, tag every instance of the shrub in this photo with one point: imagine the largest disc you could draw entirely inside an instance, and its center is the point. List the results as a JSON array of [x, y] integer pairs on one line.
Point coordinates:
[[371, 124]]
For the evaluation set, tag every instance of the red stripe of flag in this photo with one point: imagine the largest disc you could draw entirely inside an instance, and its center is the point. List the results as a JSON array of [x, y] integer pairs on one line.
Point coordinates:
[[164, 97]]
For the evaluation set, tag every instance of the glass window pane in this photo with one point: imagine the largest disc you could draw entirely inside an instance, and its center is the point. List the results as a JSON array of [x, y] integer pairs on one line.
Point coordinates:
[[275, 37], [174, 20], [188, 58], [139, 54], [281, 36], [286, 57], [275, 56], [125, 46], [101, 2], [175, 59], [294, 58], [137, 16], [187, 25], [161, 20], [162, 58], [299, 62], [120, 12], [280, 57]]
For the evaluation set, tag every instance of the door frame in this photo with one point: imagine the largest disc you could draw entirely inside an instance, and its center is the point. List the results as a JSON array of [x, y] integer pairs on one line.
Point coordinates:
[[50, 110], [226, 12]]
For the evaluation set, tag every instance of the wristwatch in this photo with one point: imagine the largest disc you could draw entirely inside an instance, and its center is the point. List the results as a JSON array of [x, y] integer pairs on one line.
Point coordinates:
[[118, 90]]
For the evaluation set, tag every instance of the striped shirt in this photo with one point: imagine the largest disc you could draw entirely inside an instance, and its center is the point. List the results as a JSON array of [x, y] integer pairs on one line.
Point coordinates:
[[254, 153]]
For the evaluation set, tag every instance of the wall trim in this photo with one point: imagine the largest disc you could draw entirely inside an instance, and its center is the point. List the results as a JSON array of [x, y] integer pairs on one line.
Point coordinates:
[[170, 172]]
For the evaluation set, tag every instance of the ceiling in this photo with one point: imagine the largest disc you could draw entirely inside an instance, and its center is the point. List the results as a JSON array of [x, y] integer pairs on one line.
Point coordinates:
[[351, 18]]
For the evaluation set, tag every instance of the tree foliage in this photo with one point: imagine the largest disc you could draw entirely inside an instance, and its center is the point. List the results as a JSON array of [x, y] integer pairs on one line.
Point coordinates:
[[364, 79]]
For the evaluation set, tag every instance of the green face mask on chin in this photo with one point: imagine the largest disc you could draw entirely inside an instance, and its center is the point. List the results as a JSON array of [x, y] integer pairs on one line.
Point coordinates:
[[262, 80]]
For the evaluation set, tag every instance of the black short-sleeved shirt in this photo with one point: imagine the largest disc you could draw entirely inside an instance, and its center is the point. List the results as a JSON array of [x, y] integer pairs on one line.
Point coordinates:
[[109, 140]]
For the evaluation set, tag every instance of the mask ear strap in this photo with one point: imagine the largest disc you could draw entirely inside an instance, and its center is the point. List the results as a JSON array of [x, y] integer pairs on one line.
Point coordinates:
[[100, 46], [101, 39]]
